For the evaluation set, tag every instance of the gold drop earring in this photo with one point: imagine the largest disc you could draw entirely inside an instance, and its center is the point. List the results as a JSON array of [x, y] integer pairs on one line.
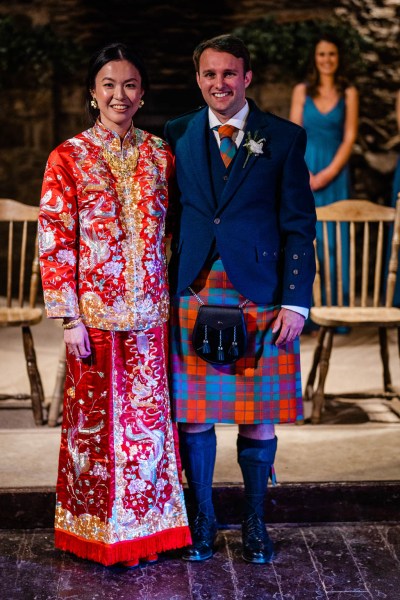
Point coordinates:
[[141, 103], [93, 103]]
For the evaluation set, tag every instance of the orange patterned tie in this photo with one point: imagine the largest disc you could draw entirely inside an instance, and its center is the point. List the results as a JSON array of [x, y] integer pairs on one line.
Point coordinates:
[[227, 146]]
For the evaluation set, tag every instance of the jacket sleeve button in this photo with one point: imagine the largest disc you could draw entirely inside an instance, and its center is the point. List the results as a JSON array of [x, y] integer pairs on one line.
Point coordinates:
[[295, 271], [292, 286], [295, 256]]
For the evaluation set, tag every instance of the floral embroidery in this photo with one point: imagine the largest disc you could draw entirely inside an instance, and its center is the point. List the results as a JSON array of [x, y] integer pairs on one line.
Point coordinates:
[[100, 471], [119, 483], [67, 220], [66, 256], [112, 268], [122, 218]]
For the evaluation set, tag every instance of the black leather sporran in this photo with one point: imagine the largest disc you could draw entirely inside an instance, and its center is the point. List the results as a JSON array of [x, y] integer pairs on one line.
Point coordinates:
[[219, 334]]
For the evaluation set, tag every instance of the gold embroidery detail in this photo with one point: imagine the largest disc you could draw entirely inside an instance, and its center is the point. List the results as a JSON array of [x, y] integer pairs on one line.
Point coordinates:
[[95, 187], [67, 219], [120, 166]]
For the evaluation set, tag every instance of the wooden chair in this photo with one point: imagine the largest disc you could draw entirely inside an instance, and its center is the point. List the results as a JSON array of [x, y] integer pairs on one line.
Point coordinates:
[[56, 403], [370, 298], [16, 255]]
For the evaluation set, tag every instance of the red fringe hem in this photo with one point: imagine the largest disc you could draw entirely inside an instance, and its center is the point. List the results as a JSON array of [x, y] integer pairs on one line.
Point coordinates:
[[110, 554]]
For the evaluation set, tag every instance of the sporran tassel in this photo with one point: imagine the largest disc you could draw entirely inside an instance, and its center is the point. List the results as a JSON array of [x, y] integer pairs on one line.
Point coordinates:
[[233, 350], [220, 352], [206, 344]]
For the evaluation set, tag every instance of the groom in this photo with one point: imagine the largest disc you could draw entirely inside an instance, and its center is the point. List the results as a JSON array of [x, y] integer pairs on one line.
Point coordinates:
[[243, 224]]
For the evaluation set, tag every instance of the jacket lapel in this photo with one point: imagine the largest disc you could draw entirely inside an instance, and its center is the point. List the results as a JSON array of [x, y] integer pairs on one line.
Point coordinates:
[[257, 122], [195, 148]]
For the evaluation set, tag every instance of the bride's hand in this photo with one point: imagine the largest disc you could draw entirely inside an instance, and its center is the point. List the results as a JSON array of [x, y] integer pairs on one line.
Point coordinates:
[[77, 341]]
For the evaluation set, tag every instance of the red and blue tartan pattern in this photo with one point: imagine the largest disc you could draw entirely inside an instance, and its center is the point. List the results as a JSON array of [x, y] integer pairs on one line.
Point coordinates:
[[262, 387]]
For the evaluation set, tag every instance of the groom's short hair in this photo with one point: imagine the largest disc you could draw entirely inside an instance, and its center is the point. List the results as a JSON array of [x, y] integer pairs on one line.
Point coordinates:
[[223, 43]]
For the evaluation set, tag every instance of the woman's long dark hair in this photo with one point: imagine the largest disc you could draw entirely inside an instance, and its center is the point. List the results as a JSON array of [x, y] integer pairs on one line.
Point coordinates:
[[340, 77], [116, 51]]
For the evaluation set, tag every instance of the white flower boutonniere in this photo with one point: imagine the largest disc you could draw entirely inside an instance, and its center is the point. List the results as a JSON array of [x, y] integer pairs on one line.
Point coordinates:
[[253, 146]]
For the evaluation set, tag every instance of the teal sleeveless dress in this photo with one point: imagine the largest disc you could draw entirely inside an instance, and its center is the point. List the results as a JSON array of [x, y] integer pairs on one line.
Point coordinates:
[[324, 135]]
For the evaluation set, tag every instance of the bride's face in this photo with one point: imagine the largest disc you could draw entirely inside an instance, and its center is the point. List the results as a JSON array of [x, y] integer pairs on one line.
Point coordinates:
[[118, 91]]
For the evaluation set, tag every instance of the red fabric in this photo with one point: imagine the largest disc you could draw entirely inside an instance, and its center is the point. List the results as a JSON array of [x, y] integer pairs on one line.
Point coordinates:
[[101, 234], [118, 491], [124, 551]]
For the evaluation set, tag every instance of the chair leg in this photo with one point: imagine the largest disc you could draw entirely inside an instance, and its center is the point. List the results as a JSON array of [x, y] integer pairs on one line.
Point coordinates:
[[37, 395], [383, 344], [58, 393], [318, 396], [309, 389], [398, 339]]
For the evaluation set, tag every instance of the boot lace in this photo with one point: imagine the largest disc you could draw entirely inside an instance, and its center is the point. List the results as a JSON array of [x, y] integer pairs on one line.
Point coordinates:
[[255, 528], [201, 527]]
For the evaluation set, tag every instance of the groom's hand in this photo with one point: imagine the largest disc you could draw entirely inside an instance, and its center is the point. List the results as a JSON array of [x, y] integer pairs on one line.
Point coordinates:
[[289, 324]]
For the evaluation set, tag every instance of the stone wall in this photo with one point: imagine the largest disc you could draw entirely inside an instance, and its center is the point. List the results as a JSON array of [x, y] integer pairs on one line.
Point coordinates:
[[376, 153], [34, 120]]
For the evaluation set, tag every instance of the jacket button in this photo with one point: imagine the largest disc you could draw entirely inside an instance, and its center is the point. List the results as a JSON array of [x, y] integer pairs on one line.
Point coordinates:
[[295, 271], [295, 256], [217, 221], [225, 178], [265, 253], [292, 286]]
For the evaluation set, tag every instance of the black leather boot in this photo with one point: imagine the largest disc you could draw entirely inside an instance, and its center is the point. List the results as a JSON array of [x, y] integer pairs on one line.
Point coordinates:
[[256, 458], [203, 530], [257, 545], [198, 451]]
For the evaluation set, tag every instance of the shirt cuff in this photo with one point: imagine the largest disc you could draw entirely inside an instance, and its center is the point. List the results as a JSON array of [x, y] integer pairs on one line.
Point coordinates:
[[299, 309]]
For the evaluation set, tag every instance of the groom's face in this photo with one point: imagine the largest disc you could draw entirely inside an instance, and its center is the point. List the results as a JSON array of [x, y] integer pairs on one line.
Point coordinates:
[[223, 82]]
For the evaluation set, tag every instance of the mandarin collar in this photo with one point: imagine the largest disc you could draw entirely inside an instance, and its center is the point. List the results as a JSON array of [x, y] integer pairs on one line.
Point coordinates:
[[111, 139]]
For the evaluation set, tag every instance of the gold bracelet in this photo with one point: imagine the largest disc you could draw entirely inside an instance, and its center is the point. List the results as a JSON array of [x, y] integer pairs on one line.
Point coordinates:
[[65, 322], [73, 323]]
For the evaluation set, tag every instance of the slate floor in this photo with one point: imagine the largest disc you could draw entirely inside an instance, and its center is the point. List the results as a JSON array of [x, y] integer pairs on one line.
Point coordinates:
[[335, 562]]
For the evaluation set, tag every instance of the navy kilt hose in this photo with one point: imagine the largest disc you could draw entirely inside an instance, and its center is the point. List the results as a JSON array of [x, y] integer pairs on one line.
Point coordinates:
[[264, 386]]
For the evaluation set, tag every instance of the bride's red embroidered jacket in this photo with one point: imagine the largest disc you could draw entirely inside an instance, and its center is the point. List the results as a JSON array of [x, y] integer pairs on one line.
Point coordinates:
[[101, 229]]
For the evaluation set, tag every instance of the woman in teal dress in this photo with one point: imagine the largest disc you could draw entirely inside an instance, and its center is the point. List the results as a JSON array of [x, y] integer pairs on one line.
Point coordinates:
[[326, 105]]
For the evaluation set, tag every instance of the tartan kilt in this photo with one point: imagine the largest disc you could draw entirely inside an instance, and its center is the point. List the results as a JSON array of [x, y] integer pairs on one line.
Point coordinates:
[[264, 386]]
